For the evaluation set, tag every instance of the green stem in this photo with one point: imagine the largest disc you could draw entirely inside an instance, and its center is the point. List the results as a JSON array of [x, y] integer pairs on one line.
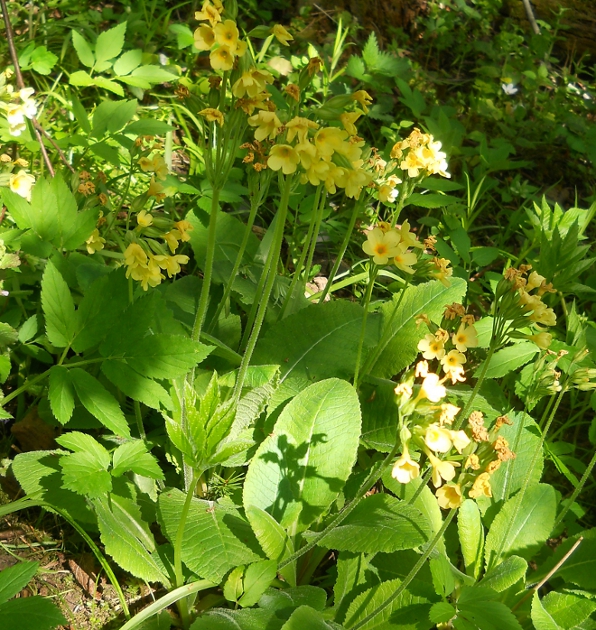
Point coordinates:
[[411, 575], [166, 601], [343, 248], [313, 241], [369, 289], [179, 576], [576, 492], [208, 270], [271, 269], [139, 419], [28, 383], [366, 485]]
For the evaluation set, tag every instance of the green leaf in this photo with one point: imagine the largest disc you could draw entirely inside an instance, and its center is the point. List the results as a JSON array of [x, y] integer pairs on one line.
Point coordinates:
[[127, 62], [509, 359], [247, 619], [148, 127], [442, 612], [521, 527], [273, 539], [8, 335], [18, 208], [134, 456], [431, 200], [257, 578], [42, 60], [320, 341], [506, 574], [109, 43], [108, 84], [541, 619], [61, 394], [568, 609], [58, 308], [153, 74], [476, 606], [136, 386], [216, 538], [379, 523], [15, 578], [291, 598], [83, 49], [306, 617], [86, 470], [471, 536], [400, 347], [37, 612], [309, 456], [112, 116], [29, 329], [404, 610], [80, 78], [99, 402], [126, 542]]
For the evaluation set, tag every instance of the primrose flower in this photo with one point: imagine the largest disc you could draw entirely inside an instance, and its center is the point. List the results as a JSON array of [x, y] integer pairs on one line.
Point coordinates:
[[183, 227], [460, 440], [298, 127], [405, 259], [157, 165], [388, 193], [171, 264], [211, 12], [267, 125], [204, 37], [453, 361], [432, 388], [21, 184], [155, 189], [221, 59], [252, 83], [336, 176], [134, 256], [542, 340], [448, 413], [144, 219], [443, 271], [356, 179], [481, 487], [438, 439], [442, 470], [449, 496], [431, 347], [284, 157], [405, 468], [364, 98], [381, 246], [348, 119], [226, 34], [148, 275], [329, 139], [171, 238], [212, 115], [281, 34], [466, 337], [95, 243]]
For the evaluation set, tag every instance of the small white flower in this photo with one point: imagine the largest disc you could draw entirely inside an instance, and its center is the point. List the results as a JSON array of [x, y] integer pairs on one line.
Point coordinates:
[[509, 88]]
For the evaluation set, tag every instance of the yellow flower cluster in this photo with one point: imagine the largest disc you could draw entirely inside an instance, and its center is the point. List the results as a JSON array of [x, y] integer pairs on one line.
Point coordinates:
[[220, 37], [386, 244], [421, 155], [19, 182], [19, 110]]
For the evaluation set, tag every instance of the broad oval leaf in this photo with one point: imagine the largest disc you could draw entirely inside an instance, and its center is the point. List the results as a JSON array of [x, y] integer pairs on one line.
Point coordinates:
[[506, 574], [471, 536], [299, 470]]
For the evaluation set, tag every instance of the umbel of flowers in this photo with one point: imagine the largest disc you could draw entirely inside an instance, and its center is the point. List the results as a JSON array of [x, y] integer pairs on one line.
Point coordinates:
[[17, 105]]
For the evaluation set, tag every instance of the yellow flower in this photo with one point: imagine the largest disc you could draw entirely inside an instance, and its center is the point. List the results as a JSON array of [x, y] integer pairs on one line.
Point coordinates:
[[449, 496], [431, 347], [432, 388], [348, 119], [437, 438], [204, 37], [534, 280], [171, 238], [251, 83], [298, 127], [453, 361], [144, 219], [364, 98], [210, 12], [307, 152], [267, 125], [317, 172], [442, 470], [329, 139], [155, 189], [443, 271], [356, 179], [405, 468], [21, 184], [134, 256], [221, 59], [183, 227], [381, 246], [466, 337], [212, 115], [281, 34], [481, 487], [171, 264], [448, 413], [405, 259], [408, 237], [284, 157], [95, 243], [148, 275], [387, 193], [157, 165], [336, 176], [460, 440], [542, 340], [226, 34]]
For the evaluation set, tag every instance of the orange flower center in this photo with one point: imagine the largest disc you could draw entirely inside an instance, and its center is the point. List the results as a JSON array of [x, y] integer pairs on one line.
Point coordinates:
[[381, 249]]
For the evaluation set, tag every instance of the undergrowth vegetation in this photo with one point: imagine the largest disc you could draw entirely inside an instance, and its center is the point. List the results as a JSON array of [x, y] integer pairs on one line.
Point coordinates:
[[308, 319]]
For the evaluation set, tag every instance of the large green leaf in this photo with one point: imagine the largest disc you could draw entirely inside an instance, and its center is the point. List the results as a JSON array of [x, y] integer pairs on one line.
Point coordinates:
[[127, 540], [471, 536], [99, 402], [506, 574], [299, 470], [136, 386], [569, 609], [134, 456], [477, 607], [61, 394], [542, 619], [400, 347], [521, 526], [58, 308], [320, 341], [15, 578], [379, 523], [216, 537], [109, 43], [509, 359], [246, 619], [354, 576], [406, 612], [306, 617], [33, 613]]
